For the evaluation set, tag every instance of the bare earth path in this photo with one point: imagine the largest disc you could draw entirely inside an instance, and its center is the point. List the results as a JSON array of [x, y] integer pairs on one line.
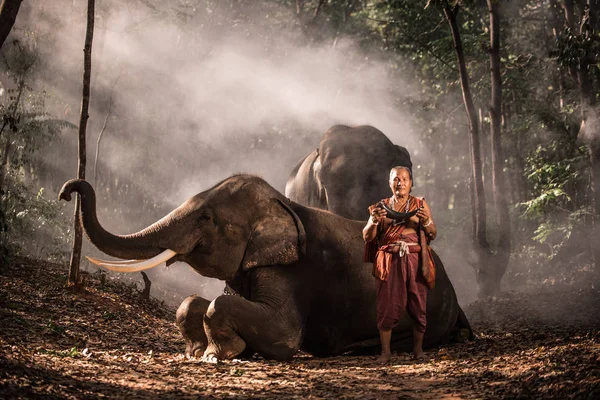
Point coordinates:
[[108, 343]]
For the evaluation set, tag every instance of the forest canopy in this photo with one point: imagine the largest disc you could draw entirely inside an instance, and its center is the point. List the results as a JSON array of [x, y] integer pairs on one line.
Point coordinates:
[[188, 93]]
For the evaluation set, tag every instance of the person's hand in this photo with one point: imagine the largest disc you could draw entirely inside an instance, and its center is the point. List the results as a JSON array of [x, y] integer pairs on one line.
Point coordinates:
[[377, 215], [423, 216]]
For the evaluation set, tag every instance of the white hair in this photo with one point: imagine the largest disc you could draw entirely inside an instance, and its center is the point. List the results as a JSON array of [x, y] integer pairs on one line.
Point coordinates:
[[397, 167]]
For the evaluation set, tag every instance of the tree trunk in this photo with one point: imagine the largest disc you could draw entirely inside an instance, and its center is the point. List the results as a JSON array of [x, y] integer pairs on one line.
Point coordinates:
[[590, 130], [147, 285], [318, 9], [73, 279], [595, 167], [299, 6], [556, 26], [8, 15], [569, 9], [479, 216], [498, 185], [110, 104], [11, 120]]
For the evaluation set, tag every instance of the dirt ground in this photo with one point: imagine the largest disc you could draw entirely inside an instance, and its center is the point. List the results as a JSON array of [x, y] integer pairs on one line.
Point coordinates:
[[107, 342]]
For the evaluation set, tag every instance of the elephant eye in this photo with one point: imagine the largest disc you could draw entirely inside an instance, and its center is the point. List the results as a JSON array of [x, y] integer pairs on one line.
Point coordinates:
[[205, 217]]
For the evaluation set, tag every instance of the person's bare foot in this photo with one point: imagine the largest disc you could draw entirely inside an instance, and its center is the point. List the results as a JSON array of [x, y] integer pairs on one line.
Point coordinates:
[[384, 358], [419, 356]]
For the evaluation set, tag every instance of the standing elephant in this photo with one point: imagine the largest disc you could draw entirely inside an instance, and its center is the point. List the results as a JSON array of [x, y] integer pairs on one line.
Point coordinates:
[[347, 172], [298, 273]]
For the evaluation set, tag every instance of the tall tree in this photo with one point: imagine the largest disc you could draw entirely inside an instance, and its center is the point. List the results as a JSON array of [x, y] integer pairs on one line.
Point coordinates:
[[479, 214], [9, 9], [590, 131], [498, 184], [490, 267], [73, 279]]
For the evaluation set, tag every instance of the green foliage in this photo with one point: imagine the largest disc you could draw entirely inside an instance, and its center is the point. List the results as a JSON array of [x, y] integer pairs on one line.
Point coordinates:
[[109, 316], [558, 206], [72, 352], [577, 50], [25, 212], [550, 174], [28, 215], [55, 328]]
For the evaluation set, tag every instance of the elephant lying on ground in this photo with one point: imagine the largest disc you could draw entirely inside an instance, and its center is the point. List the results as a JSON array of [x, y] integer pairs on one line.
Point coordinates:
[[298, 272], [347, 172]]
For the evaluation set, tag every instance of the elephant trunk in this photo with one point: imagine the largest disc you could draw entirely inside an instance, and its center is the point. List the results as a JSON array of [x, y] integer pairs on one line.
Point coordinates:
[[141, 245]]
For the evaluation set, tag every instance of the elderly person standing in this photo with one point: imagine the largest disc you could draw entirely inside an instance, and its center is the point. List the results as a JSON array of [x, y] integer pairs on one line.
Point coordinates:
[[401, 263]]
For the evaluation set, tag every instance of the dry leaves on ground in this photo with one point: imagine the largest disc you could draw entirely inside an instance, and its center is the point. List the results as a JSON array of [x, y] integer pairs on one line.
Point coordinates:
[[107, 342]]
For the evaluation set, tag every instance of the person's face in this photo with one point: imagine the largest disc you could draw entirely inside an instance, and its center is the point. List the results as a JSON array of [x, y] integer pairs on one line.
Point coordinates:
[[400, 182]]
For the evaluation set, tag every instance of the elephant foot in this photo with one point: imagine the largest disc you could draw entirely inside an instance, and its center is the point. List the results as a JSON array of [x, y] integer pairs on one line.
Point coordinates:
[[194, 349], [210, 358], [227, 350]]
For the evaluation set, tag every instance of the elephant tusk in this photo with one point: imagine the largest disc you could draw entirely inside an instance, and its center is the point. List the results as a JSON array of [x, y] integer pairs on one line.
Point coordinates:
[[97, 261], [132, 265]]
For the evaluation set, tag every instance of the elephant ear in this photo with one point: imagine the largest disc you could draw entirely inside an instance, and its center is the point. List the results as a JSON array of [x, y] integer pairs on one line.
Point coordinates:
[[277, 238]]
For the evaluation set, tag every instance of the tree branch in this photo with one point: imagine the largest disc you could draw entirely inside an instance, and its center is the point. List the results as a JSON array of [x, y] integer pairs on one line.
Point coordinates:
[[413, 39]]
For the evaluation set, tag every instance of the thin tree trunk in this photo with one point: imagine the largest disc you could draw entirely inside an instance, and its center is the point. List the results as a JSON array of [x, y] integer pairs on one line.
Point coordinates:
[[498, 185], [595, 168], [478, 196], [87, 72], [110, 104], [555, 27], [482, 145], [7, 121], [147, 285], [9, 9], [299, 6], [318, 9], [569, 10], [588, 103], [98, 143]]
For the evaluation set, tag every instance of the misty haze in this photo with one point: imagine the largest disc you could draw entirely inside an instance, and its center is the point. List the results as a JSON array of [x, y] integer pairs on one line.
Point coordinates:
[[204, 115]]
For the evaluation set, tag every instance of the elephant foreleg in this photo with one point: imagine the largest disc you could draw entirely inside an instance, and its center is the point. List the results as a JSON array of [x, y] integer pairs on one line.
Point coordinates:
[[232, 323], [190, 321]]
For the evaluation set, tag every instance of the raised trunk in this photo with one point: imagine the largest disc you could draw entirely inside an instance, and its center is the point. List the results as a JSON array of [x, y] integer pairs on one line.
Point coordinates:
[[141, 245]]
